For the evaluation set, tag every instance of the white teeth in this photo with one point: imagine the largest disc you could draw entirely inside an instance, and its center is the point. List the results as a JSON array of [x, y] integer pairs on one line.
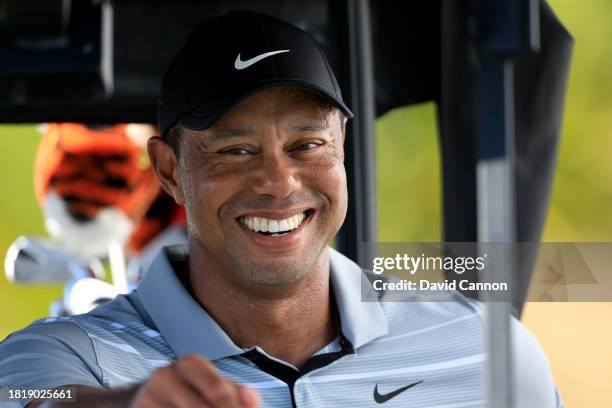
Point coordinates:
[[276, 227], [272, 226], [292, 223], [263, 224], [283, 225]]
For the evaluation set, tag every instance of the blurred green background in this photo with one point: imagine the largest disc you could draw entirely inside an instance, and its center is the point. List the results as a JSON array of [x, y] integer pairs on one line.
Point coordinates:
[[576, 337]]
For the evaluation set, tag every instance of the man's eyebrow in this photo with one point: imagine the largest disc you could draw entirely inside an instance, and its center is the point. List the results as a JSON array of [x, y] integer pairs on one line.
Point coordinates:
[[224, 134], [311, 127]]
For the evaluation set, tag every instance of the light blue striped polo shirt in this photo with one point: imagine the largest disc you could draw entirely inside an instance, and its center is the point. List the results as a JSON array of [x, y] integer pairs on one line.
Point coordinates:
[[437, 347]]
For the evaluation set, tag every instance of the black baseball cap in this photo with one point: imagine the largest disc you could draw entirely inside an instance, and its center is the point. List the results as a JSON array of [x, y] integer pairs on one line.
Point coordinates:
[[231, 57]]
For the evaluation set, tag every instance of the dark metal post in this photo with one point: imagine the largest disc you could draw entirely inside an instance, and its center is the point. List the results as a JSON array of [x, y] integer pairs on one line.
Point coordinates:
[[360, 225]]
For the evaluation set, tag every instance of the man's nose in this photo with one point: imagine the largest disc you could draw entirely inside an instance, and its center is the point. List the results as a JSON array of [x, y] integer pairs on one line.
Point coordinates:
[[276, 176]]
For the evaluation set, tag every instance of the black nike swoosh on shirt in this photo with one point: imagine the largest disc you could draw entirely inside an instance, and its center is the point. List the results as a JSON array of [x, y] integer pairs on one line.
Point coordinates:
[[381, 399]]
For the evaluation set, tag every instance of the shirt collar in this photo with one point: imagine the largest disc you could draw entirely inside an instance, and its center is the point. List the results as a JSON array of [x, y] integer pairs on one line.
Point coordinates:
[[188, 328], [361, 321]]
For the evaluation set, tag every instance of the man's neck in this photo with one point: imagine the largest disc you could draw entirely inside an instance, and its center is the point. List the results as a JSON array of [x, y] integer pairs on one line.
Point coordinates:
[[291, 325]]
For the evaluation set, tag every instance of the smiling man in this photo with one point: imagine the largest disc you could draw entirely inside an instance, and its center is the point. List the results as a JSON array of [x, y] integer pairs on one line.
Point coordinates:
[[258, 310], [265, 191]]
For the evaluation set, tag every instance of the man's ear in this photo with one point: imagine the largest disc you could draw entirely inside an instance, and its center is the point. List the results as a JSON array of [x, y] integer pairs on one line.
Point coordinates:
[[166, 166]]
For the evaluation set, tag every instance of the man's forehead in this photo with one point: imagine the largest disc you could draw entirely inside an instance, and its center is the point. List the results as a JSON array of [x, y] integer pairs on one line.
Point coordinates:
[[231, 131]]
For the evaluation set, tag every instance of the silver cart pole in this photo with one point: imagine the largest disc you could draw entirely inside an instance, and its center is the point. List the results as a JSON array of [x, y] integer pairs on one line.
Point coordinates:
[[496, 222], [506, 28]]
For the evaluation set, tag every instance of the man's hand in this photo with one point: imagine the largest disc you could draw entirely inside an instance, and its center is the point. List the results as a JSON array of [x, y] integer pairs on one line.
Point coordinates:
[[192, 382]]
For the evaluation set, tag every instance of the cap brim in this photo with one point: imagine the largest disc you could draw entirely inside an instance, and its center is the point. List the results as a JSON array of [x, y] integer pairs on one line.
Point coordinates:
[[206, 113]]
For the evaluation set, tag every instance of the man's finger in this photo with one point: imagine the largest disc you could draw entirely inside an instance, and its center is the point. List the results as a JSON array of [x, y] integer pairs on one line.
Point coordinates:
[[248, 396], [167, 388], [211, 385]]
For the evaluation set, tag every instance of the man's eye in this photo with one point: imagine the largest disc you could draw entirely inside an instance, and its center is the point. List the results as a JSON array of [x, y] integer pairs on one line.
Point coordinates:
[[236, 151], [307, 146]]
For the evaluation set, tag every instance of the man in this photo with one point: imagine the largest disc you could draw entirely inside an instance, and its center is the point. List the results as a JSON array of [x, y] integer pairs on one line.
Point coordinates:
[[259, 311]]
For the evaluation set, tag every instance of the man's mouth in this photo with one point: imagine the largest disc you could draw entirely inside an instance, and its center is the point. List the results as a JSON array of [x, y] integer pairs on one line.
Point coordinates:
[[275, 227]]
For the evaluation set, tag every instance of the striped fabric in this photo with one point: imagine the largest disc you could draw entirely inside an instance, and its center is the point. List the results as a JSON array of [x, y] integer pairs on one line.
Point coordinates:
[[385, 346]]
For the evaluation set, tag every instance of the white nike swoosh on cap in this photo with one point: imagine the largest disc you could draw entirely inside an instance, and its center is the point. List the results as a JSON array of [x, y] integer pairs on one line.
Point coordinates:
[[239, 64]]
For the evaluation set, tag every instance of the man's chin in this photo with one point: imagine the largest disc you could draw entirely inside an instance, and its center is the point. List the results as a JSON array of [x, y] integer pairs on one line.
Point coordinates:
[[276, 270]]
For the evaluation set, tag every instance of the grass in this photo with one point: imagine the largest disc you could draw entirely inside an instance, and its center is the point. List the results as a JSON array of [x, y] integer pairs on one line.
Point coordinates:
[[20, 215]]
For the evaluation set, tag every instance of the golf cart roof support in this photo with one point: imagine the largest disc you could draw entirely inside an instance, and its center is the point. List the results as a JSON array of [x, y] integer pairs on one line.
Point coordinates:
[[506, 28], [352, 20], [496, 214]]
